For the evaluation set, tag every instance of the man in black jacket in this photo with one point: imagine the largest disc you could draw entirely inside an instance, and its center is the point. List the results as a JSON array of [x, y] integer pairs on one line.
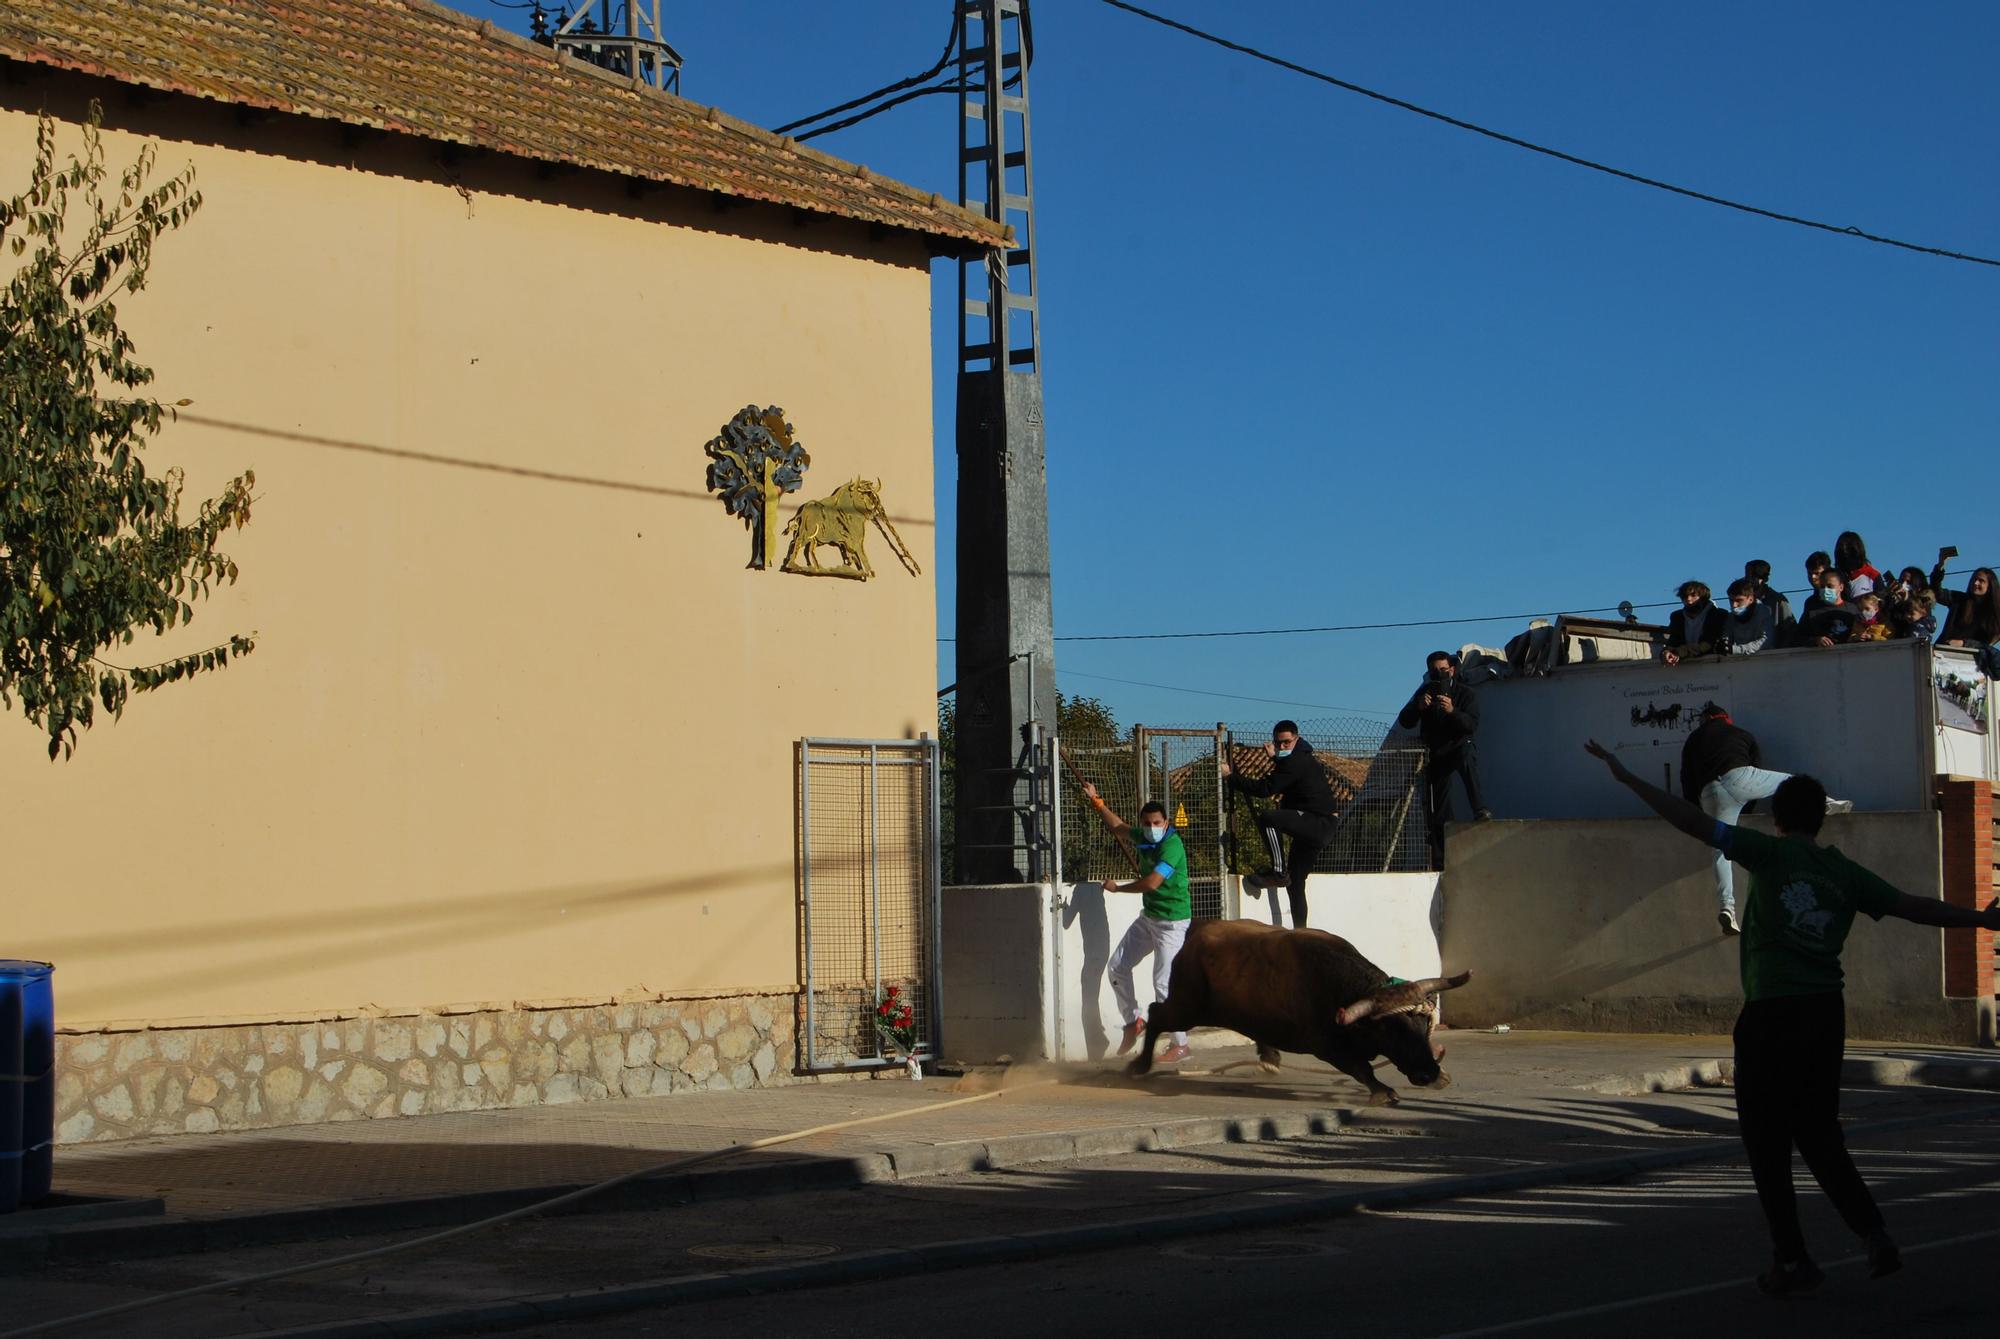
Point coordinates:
[[1758, 573], [1722, 771], [1445, 713], [1304, 812]]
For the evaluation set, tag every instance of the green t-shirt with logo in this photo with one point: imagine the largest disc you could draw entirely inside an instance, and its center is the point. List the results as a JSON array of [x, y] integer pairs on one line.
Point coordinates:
[[1168, 859], [1802, 901]]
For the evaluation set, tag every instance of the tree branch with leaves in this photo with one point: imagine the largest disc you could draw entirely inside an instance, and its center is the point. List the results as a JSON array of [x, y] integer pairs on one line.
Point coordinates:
[[92, 547]]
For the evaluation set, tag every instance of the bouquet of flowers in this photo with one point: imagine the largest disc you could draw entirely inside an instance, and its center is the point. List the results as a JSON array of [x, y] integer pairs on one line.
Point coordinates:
[[895, 1020]]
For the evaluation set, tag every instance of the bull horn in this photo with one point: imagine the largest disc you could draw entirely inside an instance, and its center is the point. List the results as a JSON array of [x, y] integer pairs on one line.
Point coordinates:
[[1433, 985], [1400, 998]]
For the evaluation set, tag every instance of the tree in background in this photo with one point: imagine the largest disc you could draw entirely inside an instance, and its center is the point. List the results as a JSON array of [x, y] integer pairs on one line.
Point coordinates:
[[1076, 717], [92, 547]]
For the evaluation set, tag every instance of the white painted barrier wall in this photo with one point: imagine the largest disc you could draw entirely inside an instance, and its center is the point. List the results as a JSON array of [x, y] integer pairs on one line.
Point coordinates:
[[1863, 719], [1610, 926], [1024, 966]]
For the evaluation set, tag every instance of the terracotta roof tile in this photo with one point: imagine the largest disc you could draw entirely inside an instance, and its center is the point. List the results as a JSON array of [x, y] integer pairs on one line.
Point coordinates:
[[421, 69]]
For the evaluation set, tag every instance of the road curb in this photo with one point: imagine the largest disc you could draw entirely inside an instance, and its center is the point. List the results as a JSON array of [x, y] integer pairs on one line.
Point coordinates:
[[1858, 1070], [171, 1235], [979, 1251]]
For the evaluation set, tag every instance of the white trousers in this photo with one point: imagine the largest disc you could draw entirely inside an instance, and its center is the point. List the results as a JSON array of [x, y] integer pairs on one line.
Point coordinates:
[[1724, 798], [1162, 939]]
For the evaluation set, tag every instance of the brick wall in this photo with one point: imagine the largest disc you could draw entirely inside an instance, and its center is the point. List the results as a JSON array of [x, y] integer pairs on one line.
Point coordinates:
[[1966, 806]]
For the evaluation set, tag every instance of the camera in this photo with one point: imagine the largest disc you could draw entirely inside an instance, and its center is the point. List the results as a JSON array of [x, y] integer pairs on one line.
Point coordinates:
[[1438, 685]]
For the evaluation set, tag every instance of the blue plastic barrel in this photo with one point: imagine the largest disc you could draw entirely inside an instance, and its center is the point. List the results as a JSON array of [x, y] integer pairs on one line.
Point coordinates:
[[27, 1082], [12, 1092]]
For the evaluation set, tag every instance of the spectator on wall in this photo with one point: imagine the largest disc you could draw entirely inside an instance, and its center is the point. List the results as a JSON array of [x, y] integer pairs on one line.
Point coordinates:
[[1825, 618], [1751, 626], [1758, 572], [1696, 627], [1915, 616], [1850, 555], [1869, 624], [1974, 617]]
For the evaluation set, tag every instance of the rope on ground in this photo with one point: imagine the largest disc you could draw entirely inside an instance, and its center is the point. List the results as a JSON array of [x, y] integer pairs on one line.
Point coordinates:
[[512, 1215]]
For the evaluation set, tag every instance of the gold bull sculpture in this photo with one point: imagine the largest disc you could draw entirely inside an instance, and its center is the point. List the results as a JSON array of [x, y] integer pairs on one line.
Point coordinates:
[[842, 521]]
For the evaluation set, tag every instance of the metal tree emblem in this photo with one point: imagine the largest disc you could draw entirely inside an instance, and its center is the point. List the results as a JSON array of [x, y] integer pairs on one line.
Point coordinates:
[[754, 462]]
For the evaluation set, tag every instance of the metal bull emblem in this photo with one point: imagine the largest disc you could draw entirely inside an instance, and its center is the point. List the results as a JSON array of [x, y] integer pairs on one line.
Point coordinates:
[[842, 521]]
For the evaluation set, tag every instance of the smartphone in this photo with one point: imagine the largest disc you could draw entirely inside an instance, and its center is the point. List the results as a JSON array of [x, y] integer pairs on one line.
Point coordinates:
[[1948, 552]]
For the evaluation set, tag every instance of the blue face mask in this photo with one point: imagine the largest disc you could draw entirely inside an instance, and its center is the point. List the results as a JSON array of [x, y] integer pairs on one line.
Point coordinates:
[[1156, 834], [1284, 753]]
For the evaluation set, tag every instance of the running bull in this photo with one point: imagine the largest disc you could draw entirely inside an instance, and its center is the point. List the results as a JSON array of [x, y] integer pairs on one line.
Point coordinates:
[[1305, 991]]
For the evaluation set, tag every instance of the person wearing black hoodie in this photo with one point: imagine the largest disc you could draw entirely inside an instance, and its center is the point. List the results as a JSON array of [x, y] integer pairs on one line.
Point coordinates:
[[1696, 628], [1445, 713], [1304, 812]]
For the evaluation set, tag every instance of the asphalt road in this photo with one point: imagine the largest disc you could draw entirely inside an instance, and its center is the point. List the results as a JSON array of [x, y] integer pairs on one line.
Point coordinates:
[[1667, 1255], [1676, 1248]]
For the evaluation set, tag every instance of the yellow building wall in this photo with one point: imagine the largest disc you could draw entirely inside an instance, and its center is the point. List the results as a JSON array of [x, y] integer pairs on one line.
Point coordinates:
[[520, 724]]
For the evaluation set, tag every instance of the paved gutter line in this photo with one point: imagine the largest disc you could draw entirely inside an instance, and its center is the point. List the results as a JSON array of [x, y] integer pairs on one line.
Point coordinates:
[[1855, 1070], [866, 1266], [31, 1248]]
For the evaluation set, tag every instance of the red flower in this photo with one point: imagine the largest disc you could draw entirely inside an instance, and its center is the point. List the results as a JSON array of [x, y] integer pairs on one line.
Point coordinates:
[[883, 1009], [892, 992]]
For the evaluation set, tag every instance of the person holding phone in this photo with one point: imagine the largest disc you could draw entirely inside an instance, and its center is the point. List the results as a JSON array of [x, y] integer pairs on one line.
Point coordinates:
[[1974, 613]]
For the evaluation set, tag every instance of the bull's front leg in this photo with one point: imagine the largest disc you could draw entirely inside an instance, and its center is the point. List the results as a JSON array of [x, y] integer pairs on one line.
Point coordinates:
[[1380, 1094], [1142, 1063]]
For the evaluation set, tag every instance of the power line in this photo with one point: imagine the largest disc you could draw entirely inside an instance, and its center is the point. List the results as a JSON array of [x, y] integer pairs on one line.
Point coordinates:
[[1237, 697], [1374, 627], [950, 45], [859, 117], [1341, 627], [1532, 147]]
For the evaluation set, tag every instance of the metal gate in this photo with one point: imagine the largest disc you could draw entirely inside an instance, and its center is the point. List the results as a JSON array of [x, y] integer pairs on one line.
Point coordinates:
[[868, 895]]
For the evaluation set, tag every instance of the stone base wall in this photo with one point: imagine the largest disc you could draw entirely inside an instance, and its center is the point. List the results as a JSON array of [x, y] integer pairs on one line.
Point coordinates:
[[115, 1085]]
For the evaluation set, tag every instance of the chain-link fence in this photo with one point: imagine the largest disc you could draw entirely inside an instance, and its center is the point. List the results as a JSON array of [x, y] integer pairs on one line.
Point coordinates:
[[1378, 791], [1174, 765]]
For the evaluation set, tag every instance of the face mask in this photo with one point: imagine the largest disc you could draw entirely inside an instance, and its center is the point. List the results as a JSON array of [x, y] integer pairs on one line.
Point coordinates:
[[1284, 753], [1154, 834], [1743, 611]]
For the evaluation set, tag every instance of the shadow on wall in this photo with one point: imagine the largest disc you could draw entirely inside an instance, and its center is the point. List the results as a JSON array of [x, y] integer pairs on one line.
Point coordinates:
[[319, 944], [433, 458], [1085, 909]]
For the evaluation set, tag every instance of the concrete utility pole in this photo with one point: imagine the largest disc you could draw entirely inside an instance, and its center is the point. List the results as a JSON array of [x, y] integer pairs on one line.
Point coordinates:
[[1006, 630]]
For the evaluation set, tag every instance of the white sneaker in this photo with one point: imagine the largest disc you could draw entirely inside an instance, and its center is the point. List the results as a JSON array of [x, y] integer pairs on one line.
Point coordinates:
[[1840, 806], [1727, 920]]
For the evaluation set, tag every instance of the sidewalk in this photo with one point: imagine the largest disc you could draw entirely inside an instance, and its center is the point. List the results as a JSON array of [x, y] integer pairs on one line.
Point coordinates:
[[199, 1191]]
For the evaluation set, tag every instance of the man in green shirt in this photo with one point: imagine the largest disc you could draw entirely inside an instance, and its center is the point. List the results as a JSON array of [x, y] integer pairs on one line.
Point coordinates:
[[1161, 860], [1792, 1029]]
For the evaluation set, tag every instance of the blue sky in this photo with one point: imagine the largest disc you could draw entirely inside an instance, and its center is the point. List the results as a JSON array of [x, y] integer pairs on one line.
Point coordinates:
[[1312, 360]]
